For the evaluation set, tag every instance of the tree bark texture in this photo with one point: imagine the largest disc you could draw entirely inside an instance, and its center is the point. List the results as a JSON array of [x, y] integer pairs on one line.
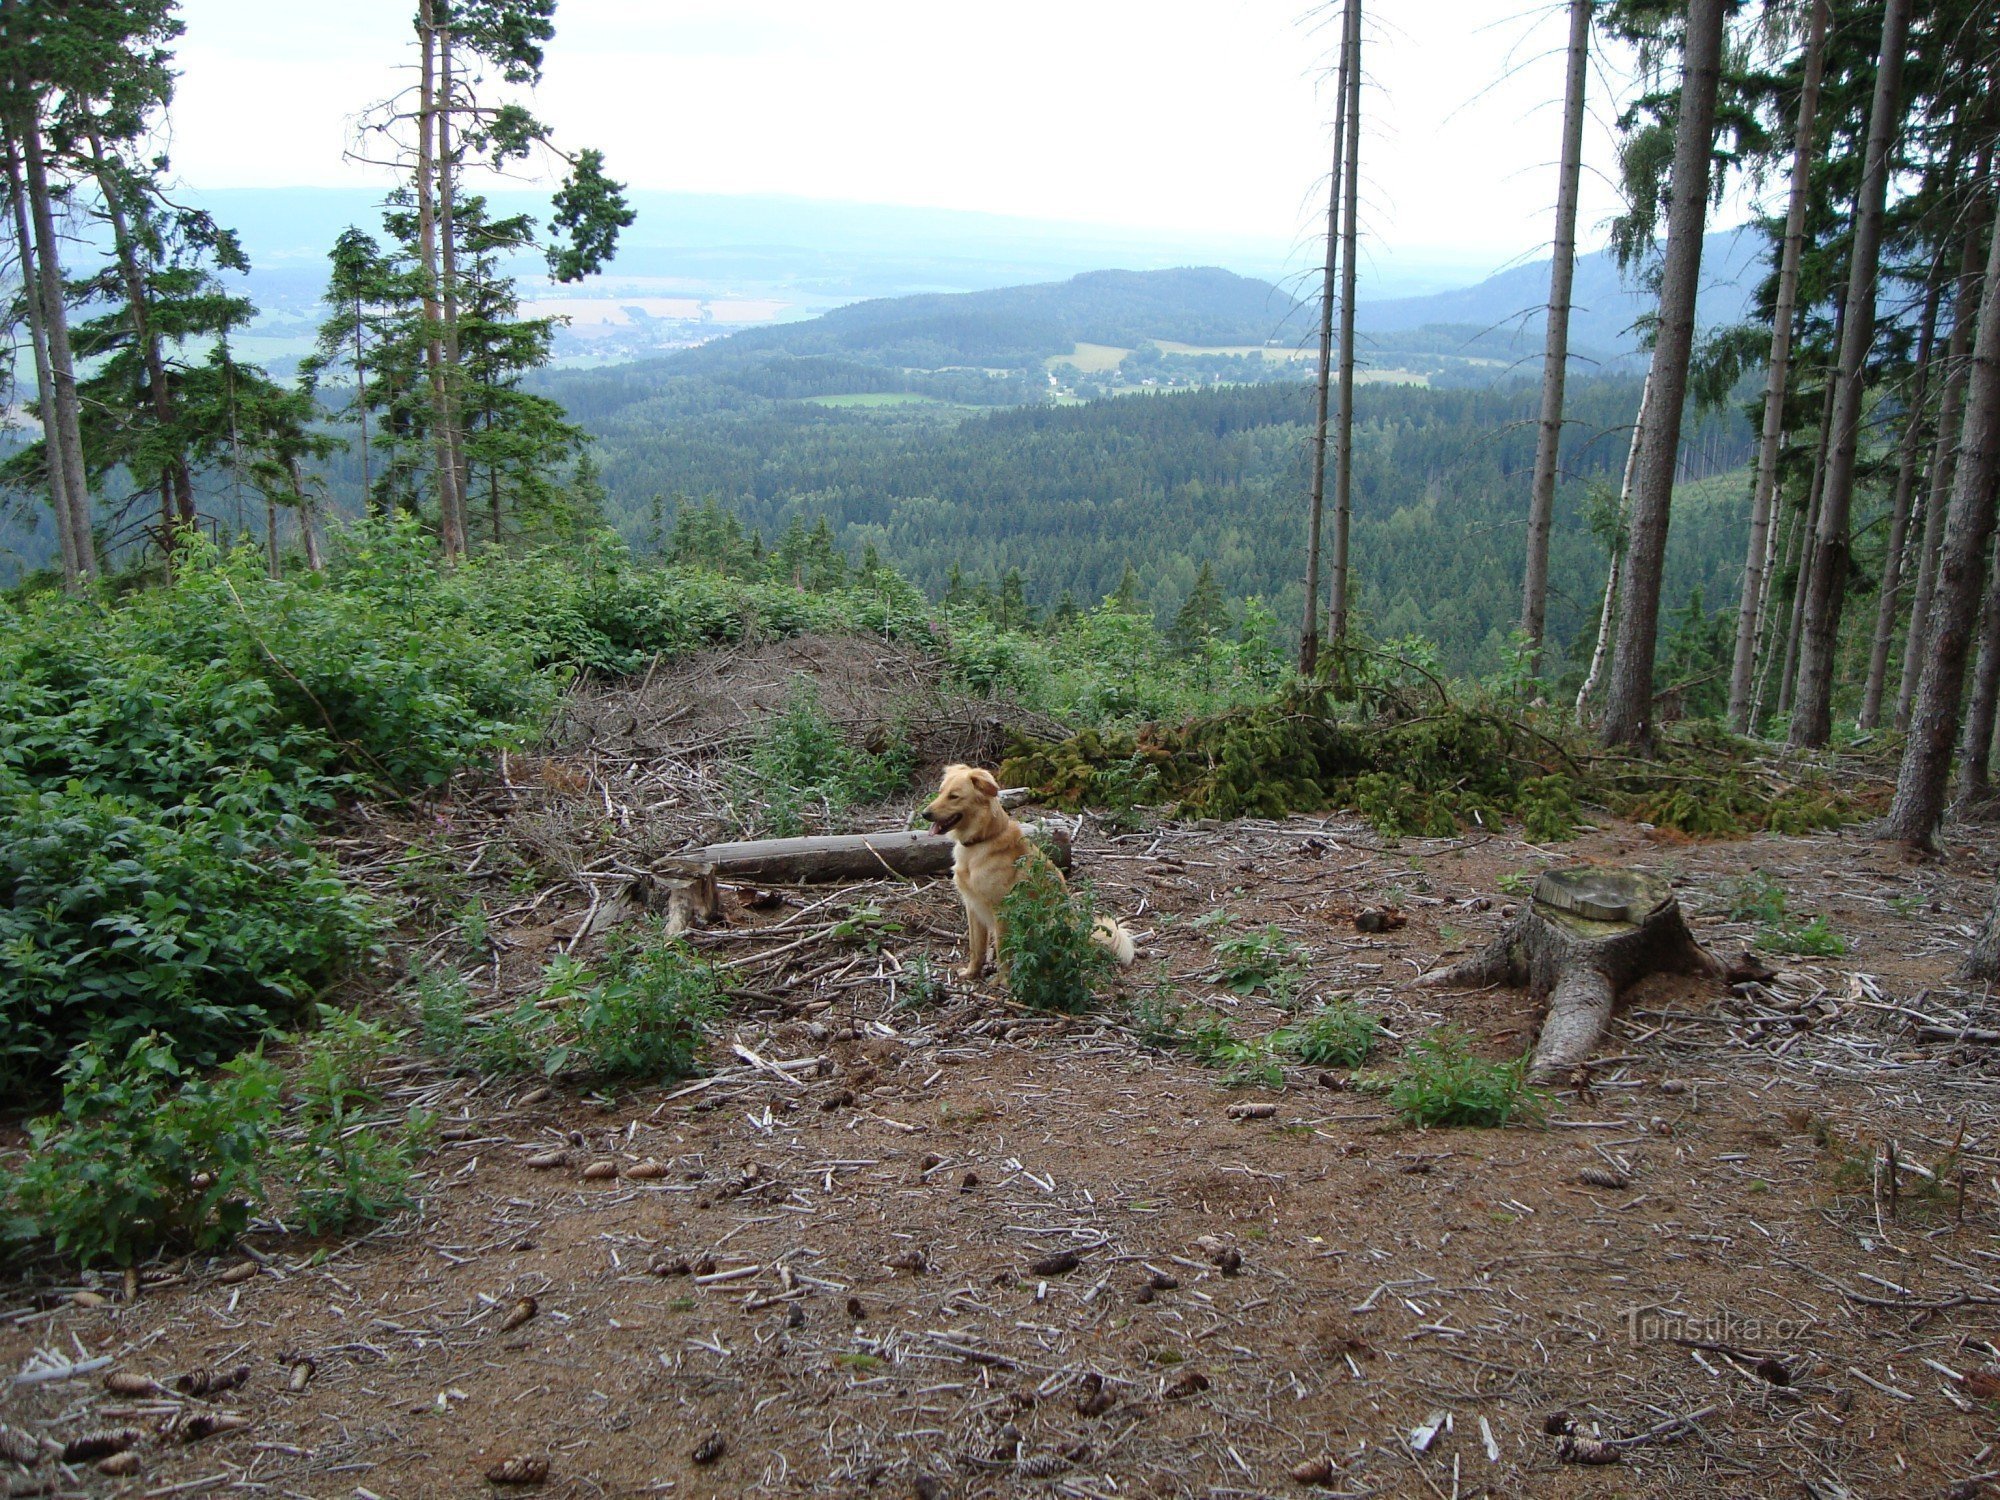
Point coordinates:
[[1587, 935], [1555, 346], [1628, 717], [1944, 460], [1607, 616], [1889, 607], [68, 430], [31, 298], [1921, 780], [915, 853], [1756, 565], [1343, 471], [1316, 508], [1826, 590]]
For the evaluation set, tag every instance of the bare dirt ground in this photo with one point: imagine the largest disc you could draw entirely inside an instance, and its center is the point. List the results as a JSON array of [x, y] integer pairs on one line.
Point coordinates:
[[849, 1277]]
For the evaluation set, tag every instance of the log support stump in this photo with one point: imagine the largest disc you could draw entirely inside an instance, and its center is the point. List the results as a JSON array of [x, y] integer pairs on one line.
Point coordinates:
[[1587, 935]]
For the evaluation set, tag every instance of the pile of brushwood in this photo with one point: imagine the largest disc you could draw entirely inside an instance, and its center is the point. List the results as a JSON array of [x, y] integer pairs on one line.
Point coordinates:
[[1428, 769]]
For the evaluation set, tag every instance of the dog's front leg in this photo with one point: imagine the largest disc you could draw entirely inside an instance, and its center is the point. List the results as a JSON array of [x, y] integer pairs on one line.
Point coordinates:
[[975, 947]]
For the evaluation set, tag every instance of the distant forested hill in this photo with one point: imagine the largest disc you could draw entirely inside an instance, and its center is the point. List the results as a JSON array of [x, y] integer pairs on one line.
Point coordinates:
[[1020, 325], [1071, 495]]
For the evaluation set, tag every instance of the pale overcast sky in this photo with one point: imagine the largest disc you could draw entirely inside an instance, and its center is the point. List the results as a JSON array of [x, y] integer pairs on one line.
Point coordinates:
[[1183, 115]]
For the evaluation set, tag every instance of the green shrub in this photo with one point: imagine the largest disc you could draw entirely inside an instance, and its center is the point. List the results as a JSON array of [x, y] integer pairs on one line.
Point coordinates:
[[1440, 1082], [1163, 1022], [1548, 808], [1814, 938], [442, 1003], [144, 1154], [641, 1012], [344, 1170], [1051, 962], [204, 923], [1340, 1035], [1261, 960], [1756, 897], [802, 769]]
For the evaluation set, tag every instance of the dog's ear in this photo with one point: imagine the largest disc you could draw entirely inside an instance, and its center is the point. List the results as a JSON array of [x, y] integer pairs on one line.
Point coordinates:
[[983, 782]]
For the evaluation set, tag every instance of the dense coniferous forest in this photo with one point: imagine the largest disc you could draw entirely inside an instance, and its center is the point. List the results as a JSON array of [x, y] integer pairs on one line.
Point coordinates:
[[1070, 496]]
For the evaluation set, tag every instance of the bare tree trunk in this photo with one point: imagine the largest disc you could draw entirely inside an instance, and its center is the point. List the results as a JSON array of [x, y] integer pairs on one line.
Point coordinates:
[[1826, 591], [1309, 639], [31, 298], [1555, 348], [1607, 616], [361, 408], [271, 562], [1756, 564], [308, 515], [160, 398], [1975, 743], [1910, 440], [1788, 674], [1920, 782], [1628, 717], [1765, 656], [450, 525], [1982, 960], [447, 170], [1343, 471], [1787, 679], [62, 364], [1944, 460]]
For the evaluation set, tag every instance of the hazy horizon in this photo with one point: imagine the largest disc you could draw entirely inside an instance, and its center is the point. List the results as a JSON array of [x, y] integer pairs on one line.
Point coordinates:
[[1183, 121]]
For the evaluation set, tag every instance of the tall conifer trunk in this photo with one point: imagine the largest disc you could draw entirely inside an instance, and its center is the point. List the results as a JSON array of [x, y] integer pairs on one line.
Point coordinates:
[[1309, 636], [1555, 349], [1628, 717], [447, 229], [176, 478], [62, 363], [450, 524], [1343, 473], [1812, 708], [31, 297], [1888, 607], [1756, 565], [1944, 455], [1920, 781]]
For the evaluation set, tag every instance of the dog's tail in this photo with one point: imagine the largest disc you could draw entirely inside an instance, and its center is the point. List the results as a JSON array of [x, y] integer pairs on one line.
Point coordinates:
[[1114, 940]]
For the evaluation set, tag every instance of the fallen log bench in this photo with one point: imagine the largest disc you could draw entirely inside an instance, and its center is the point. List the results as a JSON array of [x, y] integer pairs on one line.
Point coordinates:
[[1587, 935], [914, 854]]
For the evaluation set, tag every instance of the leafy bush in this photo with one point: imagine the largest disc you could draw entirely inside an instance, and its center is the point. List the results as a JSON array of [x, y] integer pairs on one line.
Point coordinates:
[[1548, 809], [157, 760], [641, 1012], [1441, 1083], [803, 769], [1261, 960], [1757, 897], [145, 1154], [1340, 1035], [1047, 951], [343, 1170], [1814, 938], [1165, 1023], [204, 923]]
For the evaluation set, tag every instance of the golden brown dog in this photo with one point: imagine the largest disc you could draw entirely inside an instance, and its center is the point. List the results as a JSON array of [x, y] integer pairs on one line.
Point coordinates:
[[987, 862]]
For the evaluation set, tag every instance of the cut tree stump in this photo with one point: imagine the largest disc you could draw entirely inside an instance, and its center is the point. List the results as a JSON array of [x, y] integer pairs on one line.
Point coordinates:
[[1587, 935], [914, 853]]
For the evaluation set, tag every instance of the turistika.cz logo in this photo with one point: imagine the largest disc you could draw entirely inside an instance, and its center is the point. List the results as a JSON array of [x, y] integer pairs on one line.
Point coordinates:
[[1659, 1325]]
